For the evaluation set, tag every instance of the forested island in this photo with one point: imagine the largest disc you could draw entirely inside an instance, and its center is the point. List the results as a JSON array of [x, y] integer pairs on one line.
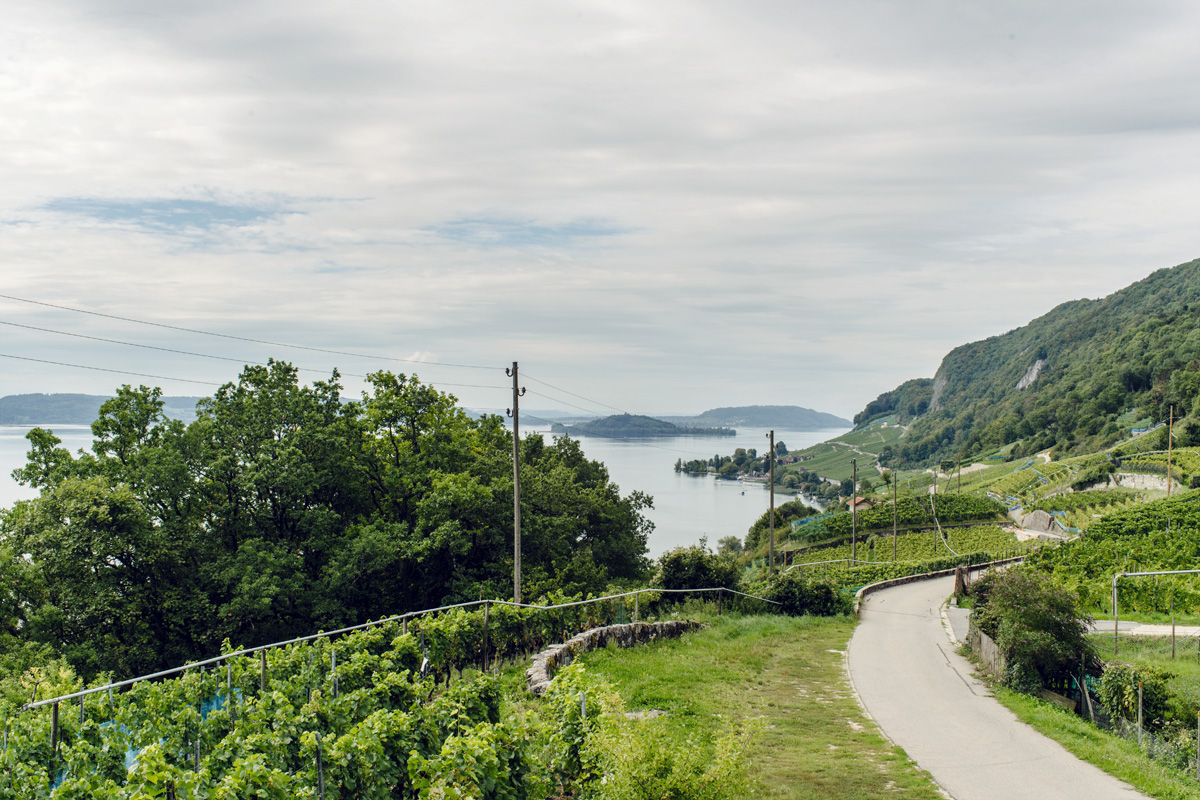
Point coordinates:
[[632, 426]]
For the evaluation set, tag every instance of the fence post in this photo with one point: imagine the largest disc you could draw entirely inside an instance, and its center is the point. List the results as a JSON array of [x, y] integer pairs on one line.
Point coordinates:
[[53, 733], [1139, 713], [229, 691], [333, 668], [637, 596], [487, 607], [262, 671], [583, 705], [320, 770], [81, 699], [720, 597], [197, 762]]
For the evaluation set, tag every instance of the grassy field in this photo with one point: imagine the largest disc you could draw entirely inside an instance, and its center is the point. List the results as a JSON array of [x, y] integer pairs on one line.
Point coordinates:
[[1114, 755], [786, 672]]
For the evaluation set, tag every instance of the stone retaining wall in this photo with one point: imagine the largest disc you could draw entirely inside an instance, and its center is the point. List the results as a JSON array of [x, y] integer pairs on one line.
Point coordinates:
[[538, 676], [986, 650]]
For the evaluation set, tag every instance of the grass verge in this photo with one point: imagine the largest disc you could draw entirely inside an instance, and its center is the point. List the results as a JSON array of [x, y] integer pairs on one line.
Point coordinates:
[[1114, 755], [787, 672]]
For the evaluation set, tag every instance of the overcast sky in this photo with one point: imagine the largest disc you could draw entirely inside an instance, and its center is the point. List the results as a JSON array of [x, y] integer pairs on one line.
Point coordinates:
[[658, 206]]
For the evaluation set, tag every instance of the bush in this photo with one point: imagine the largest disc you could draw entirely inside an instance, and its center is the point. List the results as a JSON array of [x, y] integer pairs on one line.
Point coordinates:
[[646, 760], [799, 596], [1118, 692], [1037, 626], [696, 568]]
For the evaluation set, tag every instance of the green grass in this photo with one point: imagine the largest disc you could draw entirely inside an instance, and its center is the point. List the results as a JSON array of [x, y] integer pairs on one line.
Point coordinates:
[[787, 672], [1116, 756]]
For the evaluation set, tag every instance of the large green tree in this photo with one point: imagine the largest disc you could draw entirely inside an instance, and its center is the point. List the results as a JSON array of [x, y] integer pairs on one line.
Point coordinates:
[[284, 508]]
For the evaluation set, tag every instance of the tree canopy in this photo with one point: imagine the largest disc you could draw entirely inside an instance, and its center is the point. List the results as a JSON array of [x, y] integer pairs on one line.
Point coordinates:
[[285, 508]]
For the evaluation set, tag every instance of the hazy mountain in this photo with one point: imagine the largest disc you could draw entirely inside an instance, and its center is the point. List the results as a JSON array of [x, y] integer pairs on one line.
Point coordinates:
[[792, 418], [75, 409]]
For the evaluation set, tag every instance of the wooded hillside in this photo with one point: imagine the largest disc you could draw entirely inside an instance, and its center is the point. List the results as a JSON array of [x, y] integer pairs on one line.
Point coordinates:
[[1065, 380]]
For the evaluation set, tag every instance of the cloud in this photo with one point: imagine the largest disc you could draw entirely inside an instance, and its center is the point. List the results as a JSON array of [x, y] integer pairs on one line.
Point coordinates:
[[492, 232], [684, 204]]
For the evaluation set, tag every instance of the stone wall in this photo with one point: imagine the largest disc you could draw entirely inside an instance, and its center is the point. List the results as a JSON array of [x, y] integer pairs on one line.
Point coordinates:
[[539, 675], [986, 650]]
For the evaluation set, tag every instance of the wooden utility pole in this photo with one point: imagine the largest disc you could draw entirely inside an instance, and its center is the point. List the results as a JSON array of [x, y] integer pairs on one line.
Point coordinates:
[[771, 436], [854, 512], [514, 412]]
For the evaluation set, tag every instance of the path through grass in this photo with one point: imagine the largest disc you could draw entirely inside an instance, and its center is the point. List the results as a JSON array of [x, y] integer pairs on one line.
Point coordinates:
[[787, 671]]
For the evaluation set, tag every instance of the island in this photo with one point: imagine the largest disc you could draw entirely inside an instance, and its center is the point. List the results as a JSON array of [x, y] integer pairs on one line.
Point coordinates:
[[635, 426]]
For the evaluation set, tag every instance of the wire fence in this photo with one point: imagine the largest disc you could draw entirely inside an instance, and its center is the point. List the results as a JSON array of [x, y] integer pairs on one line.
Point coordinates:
[[403, 620]]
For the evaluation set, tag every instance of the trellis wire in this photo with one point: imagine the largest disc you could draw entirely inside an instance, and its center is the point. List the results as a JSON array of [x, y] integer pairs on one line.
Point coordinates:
[[262, 649]]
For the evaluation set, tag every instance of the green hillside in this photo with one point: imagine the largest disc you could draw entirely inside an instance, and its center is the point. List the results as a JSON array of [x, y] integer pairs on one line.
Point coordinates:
[[1077, 379]]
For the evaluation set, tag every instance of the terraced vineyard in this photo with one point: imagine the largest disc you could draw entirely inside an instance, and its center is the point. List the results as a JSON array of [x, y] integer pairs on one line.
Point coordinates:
[[924, 546], [378, 713], [916, 553], [1159, 535]]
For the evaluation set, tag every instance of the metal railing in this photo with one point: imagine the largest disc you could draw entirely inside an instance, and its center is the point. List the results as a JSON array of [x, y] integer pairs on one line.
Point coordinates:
[[408, 615]]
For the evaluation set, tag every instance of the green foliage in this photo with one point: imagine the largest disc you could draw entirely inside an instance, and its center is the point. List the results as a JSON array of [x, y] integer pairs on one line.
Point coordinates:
[[387, 731], [785, 514], [1093, 360], [643, 760], [1118, 692], [1159, 535], [988, 540], [286, 508], [799, 595], [1037, 626], [696, 568], [909, 513]]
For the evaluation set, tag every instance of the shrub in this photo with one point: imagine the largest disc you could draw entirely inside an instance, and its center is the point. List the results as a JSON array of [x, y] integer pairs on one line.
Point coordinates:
[[1036, 625], [696, 568], [647, 760], [799, 596], [1118, 692]]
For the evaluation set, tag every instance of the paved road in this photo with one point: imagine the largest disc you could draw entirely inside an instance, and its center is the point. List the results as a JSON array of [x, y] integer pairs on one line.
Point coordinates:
[[922, 694]]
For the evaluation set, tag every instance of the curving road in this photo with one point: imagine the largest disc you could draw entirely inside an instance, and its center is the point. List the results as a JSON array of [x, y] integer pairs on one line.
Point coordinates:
[[925, 698]]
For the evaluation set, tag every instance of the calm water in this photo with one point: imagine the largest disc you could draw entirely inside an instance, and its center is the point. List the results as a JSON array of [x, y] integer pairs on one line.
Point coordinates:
[[685, 507]]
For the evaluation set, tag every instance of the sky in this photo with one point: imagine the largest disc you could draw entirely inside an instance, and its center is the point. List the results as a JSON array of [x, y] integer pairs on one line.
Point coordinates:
[[653, 207]]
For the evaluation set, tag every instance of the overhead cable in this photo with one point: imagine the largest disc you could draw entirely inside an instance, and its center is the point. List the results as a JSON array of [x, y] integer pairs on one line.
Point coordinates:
[[242, 338], [207, 355]]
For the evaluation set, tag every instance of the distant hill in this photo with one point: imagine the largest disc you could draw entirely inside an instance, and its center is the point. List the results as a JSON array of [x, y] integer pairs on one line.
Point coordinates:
[[75, 409], [792, 418], [1076, 379], [625, 426]]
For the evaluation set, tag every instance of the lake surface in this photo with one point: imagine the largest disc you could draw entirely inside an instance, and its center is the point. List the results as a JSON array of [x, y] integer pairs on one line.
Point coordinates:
[[686, 507]]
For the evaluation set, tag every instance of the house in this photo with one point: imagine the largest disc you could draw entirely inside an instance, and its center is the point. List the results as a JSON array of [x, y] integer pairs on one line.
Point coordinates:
[[859, 504]]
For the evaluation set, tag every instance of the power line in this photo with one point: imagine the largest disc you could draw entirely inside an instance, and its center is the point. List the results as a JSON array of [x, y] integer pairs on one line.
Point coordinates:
[[564, 402], [242, 338], [102, 369], [207, 355], [581, 397]]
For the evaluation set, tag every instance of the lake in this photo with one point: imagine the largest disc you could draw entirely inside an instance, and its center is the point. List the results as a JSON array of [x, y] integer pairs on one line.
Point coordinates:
[[686, 507]]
